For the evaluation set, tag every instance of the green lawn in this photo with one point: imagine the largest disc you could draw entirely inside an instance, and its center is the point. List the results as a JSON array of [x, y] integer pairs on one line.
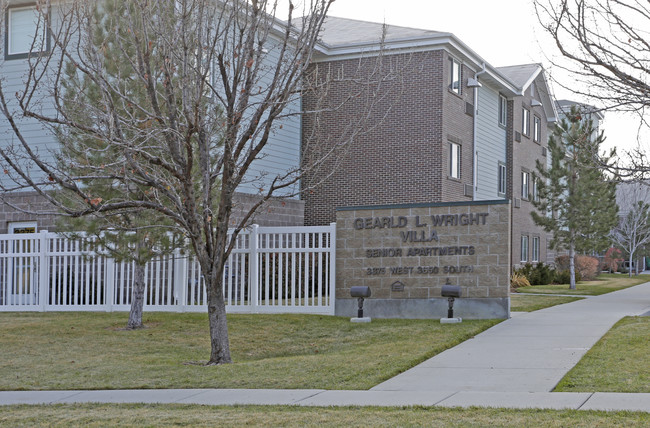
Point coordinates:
[[619, 362], [529, 303], [102, 415], [606, 283], [81, 350]]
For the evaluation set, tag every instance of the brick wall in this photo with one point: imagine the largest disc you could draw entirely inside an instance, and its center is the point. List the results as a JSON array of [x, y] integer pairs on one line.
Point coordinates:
[[524, 154], [402, 153], [276, 212], [29, 201]]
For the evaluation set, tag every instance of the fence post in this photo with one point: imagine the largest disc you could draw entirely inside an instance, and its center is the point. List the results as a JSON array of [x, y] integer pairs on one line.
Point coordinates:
[[43, 289], [253, 263], [109, 263], [180, 280], [332, 251]]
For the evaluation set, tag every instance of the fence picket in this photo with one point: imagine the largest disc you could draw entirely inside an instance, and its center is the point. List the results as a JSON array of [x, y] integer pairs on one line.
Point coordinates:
[[271, 269]]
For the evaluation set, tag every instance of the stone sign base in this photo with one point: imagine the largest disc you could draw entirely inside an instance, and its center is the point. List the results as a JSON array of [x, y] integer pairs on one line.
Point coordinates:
[[406, 254], [426, 308]]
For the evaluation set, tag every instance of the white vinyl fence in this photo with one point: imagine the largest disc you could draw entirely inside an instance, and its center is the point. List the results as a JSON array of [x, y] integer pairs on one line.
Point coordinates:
[[270, 270]]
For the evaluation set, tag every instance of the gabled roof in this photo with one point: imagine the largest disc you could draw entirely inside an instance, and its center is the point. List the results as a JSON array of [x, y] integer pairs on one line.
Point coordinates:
[[343, 38], [521, 75], [337, 32]]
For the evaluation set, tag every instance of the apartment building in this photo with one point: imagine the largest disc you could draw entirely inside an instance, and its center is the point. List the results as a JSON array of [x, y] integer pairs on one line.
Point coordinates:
[[446, 126], [458, 129]]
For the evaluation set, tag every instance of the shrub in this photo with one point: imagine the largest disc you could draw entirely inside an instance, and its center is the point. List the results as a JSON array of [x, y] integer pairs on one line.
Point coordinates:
[[564, 277], [541, 274], [518, 280], [586, 266], [613, 257]]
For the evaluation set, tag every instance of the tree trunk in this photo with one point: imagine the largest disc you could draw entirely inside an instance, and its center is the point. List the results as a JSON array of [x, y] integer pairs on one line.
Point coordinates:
[[137, 298], [219, 343], [572, 267], [629, 267]]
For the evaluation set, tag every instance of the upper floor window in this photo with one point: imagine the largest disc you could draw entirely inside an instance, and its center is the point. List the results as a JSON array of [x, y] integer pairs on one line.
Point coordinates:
[[536, 189], [454, 160], [537, 130], [525, 121], [502, 178], [455, 82], [25, 32], [503, 110], [525, 183]]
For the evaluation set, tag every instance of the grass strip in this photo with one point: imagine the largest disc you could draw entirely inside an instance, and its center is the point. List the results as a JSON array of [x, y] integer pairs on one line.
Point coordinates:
[[530, 303], [103, 415], [82, 350], [617, 363], [606, 283]]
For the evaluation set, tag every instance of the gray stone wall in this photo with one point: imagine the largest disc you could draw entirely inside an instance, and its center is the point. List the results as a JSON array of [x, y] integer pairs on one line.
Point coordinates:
[[405, 258]]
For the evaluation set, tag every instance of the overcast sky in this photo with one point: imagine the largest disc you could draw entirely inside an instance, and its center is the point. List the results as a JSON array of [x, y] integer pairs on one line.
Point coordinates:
[[503, 32]]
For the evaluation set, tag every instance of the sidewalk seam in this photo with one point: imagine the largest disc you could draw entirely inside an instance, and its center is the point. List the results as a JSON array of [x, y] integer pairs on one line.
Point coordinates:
[[310, 396], [585, 402], [67, 397], [446, 398]]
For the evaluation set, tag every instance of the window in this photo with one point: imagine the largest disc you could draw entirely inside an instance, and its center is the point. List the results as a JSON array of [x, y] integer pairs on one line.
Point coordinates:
[[24, 28], [503, 110], [22, 227], [535, 249], [535, 189], [524, 248], [537, 130], [525, 121], [454, 160], [525, 180], [455, 82], [502, 178]]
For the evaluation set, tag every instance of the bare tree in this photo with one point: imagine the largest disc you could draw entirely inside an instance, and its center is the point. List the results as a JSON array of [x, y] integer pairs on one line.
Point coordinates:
[[633, 230], [205, 87], [605, 45]]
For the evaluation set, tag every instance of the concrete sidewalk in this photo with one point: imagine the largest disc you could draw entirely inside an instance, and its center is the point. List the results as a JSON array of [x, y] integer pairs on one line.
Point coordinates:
[[527, 353], [515, 364]]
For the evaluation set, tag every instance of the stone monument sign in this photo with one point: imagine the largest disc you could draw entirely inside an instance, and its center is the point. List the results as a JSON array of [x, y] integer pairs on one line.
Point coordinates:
[[406, 253]]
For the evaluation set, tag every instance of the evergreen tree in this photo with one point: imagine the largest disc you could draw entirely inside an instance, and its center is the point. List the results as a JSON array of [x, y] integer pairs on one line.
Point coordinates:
[[577, 202], [135, 235]]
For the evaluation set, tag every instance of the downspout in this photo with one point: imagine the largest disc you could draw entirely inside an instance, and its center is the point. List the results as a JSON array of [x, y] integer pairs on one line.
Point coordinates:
[[474, 138]]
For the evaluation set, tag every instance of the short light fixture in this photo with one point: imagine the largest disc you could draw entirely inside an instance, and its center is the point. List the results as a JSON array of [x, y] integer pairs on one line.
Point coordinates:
[[360, 292]]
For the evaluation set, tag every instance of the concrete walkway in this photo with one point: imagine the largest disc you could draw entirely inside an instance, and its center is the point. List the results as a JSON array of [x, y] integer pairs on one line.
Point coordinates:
[[514, 364]]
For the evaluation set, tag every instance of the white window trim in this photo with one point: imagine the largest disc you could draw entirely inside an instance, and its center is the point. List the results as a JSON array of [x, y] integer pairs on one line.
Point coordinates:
[[503, 110], [502, 178], [18, 225], [455, 151], [9, 54], [524, 248], [535, 250], [537, 129], [525, 184], [452, 79], [525, 121]]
